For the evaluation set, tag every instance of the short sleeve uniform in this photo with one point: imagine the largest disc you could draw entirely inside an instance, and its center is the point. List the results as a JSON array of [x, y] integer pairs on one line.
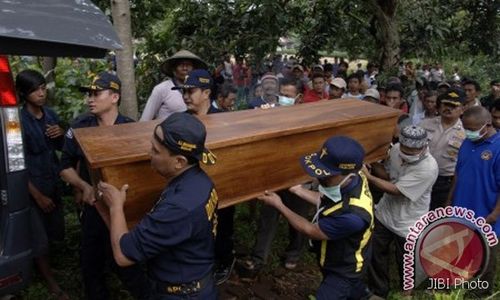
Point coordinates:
[[444, 144], [176, 238], [477, 184]]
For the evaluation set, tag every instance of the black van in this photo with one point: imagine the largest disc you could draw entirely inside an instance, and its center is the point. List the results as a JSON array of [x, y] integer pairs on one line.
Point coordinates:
[[37, 28]]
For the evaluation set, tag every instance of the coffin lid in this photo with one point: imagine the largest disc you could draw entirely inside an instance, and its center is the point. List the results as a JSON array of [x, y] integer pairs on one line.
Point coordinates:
[[115, 145]]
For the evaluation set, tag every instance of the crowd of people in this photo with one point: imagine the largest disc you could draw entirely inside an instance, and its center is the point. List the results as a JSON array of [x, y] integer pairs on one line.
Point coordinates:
[[445, 151]]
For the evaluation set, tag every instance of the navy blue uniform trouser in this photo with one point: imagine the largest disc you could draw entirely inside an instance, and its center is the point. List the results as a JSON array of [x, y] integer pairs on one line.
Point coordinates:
[[96, 257], [224, 239], [335, 287]]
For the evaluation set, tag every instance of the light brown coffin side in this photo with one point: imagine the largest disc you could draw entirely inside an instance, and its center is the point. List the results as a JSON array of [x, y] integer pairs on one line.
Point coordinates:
[[256, 150]]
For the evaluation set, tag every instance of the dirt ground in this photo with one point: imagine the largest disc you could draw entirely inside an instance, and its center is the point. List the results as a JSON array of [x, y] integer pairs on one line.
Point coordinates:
[[278, 283]]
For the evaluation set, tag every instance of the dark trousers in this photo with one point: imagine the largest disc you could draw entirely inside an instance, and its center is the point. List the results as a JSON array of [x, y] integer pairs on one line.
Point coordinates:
[[378, 270], [224, 239], [440, 191], [268, 223], [335, 287], [96, 257]]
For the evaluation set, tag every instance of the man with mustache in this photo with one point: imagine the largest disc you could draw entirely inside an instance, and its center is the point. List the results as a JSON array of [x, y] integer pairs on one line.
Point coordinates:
[[446, 134]]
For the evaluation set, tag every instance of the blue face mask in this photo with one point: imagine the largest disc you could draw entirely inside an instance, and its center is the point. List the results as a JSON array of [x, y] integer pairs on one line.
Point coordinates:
[[475, 135], [286, 101], [333, 192]]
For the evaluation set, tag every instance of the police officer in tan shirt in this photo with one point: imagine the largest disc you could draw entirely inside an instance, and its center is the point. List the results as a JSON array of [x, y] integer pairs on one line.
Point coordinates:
[[446, 135]]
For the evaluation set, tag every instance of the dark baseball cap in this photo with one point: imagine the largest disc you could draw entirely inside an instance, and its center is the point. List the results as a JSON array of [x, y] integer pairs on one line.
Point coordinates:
[[454, 96], [103, 81], [185, 134], [339, 155], [198, 78]]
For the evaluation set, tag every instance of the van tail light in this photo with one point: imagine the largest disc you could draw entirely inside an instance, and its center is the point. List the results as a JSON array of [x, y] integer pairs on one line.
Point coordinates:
[[7, 89], [11, 122], [13, 139]]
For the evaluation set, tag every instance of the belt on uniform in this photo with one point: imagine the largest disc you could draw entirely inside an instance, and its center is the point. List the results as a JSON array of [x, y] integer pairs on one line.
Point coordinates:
[[445, 177], [184, 288]]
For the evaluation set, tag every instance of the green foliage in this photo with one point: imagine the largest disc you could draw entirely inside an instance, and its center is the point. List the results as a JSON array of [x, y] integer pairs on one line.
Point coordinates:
[[481, 68], [68, 101]]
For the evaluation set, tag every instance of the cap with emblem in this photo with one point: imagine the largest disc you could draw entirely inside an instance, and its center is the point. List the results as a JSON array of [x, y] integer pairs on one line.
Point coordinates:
[[185, 134], [339, 155], [454, 96], [414, 137], [103, 81], [198, 78]]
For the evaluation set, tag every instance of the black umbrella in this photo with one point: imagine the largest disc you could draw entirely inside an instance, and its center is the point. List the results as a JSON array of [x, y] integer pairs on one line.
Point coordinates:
[[55, 28]]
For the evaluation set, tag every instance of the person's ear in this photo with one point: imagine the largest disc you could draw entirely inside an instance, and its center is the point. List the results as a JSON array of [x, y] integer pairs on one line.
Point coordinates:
[[207, 93], [115, 97], [180, 162]]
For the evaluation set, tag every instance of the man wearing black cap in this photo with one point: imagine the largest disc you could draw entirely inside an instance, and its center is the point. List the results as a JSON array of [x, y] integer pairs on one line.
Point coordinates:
[[343, 224], [407, 184], [176, 238], [446, 134], [103, 99], [196, 93]]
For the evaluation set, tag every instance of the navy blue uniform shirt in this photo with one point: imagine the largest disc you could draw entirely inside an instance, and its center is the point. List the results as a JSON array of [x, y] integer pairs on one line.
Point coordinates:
[[346, 224], [177, 236], [41, 159], [71, 152]]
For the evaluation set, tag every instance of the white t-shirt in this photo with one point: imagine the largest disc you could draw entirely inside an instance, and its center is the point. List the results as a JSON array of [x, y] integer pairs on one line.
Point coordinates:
[[349, 95], [414, 181], [163, 102]]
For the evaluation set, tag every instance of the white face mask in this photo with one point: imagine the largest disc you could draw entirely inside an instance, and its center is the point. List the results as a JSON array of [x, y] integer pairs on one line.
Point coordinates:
[[475, 135], [286, 101], [333, 192], [411, 159]]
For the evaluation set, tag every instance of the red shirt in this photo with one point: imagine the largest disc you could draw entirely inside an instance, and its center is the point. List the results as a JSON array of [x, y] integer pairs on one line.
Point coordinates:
[[311, 96]]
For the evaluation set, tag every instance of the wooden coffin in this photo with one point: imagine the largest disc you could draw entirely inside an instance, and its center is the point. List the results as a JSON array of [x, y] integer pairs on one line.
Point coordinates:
[[256, 149]]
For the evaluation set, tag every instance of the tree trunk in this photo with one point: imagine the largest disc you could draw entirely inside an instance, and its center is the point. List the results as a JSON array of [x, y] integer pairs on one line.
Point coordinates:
[[48, 70], [387, 36], [120, 10]]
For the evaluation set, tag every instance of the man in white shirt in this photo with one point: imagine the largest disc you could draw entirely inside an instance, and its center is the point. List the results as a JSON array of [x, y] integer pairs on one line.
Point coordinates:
[[406, 179], [164, 101]]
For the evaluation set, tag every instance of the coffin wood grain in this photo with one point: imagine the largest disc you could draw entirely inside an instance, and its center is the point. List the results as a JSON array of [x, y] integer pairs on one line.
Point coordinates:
[[256, 149]]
